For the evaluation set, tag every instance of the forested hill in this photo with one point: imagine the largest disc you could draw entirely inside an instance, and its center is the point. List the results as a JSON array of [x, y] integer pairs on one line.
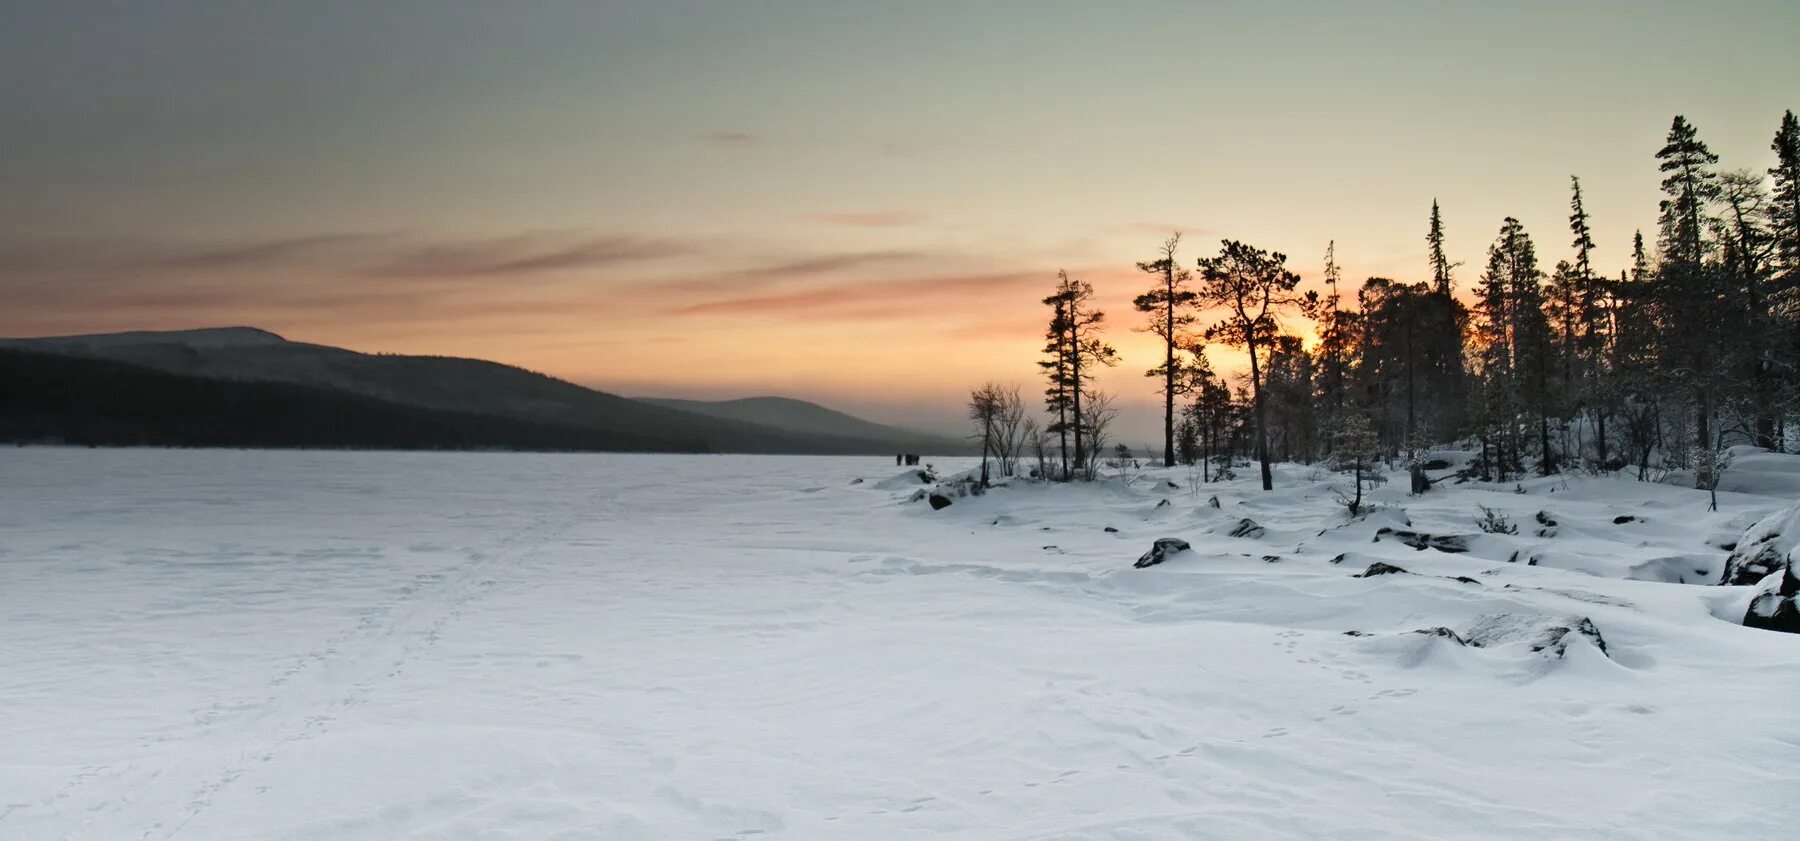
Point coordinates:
[[230, 382], [96, 402], [792, 415]]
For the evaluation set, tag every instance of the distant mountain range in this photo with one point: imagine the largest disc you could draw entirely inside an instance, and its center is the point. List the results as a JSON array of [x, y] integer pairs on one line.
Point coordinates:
[[240, 386]]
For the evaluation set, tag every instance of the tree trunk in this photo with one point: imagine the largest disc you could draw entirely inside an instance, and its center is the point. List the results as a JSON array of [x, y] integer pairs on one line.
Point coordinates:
[[1062, 434], [1075, 374], [1409, 384], [1600, 435], [1765, 412], [987, 444], [1256, 396], [1547, 465], [1702, 417], [1169, 373]]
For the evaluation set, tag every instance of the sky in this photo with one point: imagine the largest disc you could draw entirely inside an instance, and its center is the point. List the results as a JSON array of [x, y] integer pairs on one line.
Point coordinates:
[[856, 203]]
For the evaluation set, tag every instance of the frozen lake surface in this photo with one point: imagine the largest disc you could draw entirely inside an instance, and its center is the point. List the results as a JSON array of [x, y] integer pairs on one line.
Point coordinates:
[[265, 645]]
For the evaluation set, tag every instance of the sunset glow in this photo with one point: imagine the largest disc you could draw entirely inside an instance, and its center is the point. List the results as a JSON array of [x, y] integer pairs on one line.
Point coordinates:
[[646, 199]]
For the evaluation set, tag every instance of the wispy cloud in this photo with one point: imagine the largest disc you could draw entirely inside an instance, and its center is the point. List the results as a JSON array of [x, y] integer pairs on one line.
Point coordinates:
[[731, 138], [870, 218], [828, 263], [895, 298], [526, 254], [271, 251], [76, 256]]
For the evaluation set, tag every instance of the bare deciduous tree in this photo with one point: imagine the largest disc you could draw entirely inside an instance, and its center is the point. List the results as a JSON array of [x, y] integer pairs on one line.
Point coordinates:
[[1009, 429], [1099, 416]]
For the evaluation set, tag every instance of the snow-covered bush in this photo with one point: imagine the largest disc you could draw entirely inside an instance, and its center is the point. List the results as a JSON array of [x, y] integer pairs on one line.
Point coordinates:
[[1494, 522]]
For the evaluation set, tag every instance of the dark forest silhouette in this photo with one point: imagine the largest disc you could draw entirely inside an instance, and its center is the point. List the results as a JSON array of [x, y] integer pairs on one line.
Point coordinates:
[[1692, 347]]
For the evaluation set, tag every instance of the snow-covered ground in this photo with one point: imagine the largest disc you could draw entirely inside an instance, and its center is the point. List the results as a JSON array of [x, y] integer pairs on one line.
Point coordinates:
[[256, 645]]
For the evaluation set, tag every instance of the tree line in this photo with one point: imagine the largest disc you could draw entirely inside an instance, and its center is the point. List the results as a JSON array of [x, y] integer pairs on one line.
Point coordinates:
[[1661, 363]]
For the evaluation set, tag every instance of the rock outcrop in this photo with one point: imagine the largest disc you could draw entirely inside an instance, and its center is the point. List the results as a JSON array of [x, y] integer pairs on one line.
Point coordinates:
[[1776, 606], [1764, 549], [1422, 541], [1163, 549]]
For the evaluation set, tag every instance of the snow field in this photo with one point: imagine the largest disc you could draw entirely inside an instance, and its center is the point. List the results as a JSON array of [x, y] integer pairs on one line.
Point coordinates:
[[265, 645]]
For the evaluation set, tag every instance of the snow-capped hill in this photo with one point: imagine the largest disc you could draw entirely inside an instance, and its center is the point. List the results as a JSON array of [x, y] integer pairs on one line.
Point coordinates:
[[203, 337]]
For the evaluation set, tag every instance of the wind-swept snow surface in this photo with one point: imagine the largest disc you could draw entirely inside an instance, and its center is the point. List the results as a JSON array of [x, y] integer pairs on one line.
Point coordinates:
[[241, 645]]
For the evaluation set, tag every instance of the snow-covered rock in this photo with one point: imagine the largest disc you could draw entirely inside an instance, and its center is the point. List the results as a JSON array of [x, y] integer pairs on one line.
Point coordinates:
[[1776, 606], [1163, 549], [1455, 543], [1765, 548], [1381, 568], [1546, 635], [1246, 527]]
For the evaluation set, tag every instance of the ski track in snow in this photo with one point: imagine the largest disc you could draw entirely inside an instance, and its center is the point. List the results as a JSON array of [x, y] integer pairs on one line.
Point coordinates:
[[228, 645]]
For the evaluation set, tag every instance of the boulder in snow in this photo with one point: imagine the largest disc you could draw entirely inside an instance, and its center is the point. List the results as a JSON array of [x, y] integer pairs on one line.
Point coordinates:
[[1777, 603], [938, 502], [1163, 549], [1765, 547], [1546, 635], [1380, 568], [1422, 541], [1247, 528], [1441, 631]]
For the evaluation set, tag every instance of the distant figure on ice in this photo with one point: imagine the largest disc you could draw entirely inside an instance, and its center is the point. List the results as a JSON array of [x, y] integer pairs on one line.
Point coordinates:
[[898, 457]]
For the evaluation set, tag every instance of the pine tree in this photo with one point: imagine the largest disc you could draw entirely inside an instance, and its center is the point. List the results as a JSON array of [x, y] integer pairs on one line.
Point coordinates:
[[1784, 215], [1170, 305], [1253, 286], [1578, 226], [1690, 293], [1747, 248], [1586, 329], [1084, 351], [1441, 335], [1515, 343], [1690, 185], [1056, 364], [1355, 449], [1434, 241], [1334, 327]]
